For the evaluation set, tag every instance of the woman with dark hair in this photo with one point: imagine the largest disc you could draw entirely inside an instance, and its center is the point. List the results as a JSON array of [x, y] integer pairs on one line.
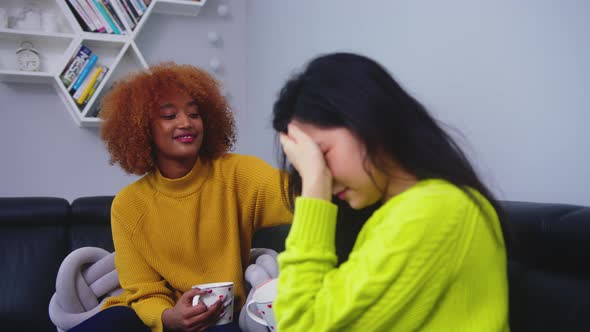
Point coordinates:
[[431, 258], [191, 217]]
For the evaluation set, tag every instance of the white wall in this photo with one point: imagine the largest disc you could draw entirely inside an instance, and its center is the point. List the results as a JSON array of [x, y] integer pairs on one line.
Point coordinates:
[[512, 76], [44, 153]]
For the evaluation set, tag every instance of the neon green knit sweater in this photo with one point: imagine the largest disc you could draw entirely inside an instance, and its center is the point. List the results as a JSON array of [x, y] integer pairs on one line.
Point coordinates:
[[171, 234], [428, 260]]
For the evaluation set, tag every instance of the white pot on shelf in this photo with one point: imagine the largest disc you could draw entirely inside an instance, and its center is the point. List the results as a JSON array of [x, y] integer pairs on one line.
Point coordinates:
[[28, 18]]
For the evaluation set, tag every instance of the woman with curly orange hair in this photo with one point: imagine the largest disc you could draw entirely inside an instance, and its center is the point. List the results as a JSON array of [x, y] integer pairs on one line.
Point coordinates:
[[190, 219]]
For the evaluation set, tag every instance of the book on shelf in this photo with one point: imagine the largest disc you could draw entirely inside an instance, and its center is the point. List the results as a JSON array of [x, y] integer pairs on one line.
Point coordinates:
[[131, 9], [82, 91], [114, 15], [75, 66], [81, 16], [106, 17], [127, 13], [138, 6], [87, 68], [93, 113], [99, 15], [95, 85], [122, 13], [91, 13]]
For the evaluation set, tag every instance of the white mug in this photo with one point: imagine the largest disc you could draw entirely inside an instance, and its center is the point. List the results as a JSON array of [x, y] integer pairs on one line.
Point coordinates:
[[263, 298], [216, 291], [28, 18]]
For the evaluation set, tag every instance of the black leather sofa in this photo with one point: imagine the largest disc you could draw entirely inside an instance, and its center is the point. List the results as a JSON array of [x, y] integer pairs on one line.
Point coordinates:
[[549, 269]]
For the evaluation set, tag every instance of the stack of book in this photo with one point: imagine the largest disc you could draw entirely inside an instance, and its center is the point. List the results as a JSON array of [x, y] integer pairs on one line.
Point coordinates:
[[83, 75], [107, 16]]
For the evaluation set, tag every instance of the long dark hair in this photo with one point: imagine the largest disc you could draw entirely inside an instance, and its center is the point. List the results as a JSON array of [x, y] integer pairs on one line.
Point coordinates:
[[352, 91]]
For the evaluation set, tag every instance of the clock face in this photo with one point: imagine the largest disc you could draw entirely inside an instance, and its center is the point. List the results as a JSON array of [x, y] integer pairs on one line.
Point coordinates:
[[28, 60]]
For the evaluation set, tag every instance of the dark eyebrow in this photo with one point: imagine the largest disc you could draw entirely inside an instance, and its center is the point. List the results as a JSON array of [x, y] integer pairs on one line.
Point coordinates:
[[192, 103]]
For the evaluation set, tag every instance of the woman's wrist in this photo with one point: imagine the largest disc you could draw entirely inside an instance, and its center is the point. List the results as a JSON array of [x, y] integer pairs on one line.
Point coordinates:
[[318, 186], [168, 319]]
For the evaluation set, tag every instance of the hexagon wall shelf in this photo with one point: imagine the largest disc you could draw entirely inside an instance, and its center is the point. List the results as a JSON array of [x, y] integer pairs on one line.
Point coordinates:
[[118, 52]]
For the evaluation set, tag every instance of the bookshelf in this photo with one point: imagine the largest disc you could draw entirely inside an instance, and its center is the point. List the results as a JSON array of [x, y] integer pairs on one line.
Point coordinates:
[[118, 52]]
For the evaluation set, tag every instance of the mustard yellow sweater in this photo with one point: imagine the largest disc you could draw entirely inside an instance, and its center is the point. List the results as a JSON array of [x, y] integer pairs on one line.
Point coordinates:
[[428, 260], [171, 234]]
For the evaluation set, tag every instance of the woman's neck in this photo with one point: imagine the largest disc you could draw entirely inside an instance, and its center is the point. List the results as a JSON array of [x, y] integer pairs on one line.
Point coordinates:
[[399, 181], [176, 169]]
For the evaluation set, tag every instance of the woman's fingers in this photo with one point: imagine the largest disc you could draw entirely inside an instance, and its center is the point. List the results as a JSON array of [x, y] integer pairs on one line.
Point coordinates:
[[209, 317], [307, 158], [298, 145]]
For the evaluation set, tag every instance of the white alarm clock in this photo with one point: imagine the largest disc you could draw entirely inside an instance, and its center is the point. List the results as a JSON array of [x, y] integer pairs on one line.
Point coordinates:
[[27, 57]]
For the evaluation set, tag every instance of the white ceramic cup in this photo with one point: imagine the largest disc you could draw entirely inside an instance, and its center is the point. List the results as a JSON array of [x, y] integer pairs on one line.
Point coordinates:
[[216, 291], [263, 298], [29, 19]]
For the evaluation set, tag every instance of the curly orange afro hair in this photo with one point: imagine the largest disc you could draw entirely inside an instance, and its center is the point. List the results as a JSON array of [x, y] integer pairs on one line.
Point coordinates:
[[126, 111]]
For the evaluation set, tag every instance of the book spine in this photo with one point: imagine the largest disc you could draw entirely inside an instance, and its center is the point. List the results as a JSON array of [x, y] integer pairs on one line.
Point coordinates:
[[84, 89], [101, 19], [93, 16], [111, 27], [82, 15], [141, 5], [123, 14], [96, 84], [131, 10], [75, 66], [114, 16], [94, 112], [137, 7], [87, 68], [70, 61]]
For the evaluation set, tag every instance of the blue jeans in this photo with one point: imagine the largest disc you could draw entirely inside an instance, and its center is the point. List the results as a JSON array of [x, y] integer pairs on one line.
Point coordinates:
[[124, 319]]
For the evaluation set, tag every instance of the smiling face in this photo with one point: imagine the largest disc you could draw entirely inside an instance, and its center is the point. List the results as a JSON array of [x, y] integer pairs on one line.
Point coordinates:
[[177, 130], [346, 159]]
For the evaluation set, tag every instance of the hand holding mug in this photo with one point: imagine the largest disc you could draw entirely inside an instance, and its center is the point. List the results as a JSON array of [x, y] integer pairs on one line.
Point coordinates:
[[214, 293], [186, 317]]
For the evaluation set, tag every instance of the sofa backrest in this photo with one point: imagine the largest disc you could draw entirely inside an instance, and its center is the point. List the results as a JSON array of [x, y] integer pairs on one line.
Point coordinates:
[[549, 273], [33, 242], [549, 269], [90, 224]]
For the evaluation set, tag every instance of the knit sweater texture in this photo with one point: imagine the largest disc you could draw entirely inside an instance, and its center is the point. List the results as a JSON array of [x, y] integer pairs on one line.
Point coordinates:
[[429, 259], [171, 234]]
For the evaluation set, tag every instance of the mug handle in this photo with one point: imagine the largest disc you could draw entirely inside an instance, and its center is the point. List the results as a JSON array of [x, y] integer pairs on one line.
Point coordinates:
[[253, 315], [196, 300]]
